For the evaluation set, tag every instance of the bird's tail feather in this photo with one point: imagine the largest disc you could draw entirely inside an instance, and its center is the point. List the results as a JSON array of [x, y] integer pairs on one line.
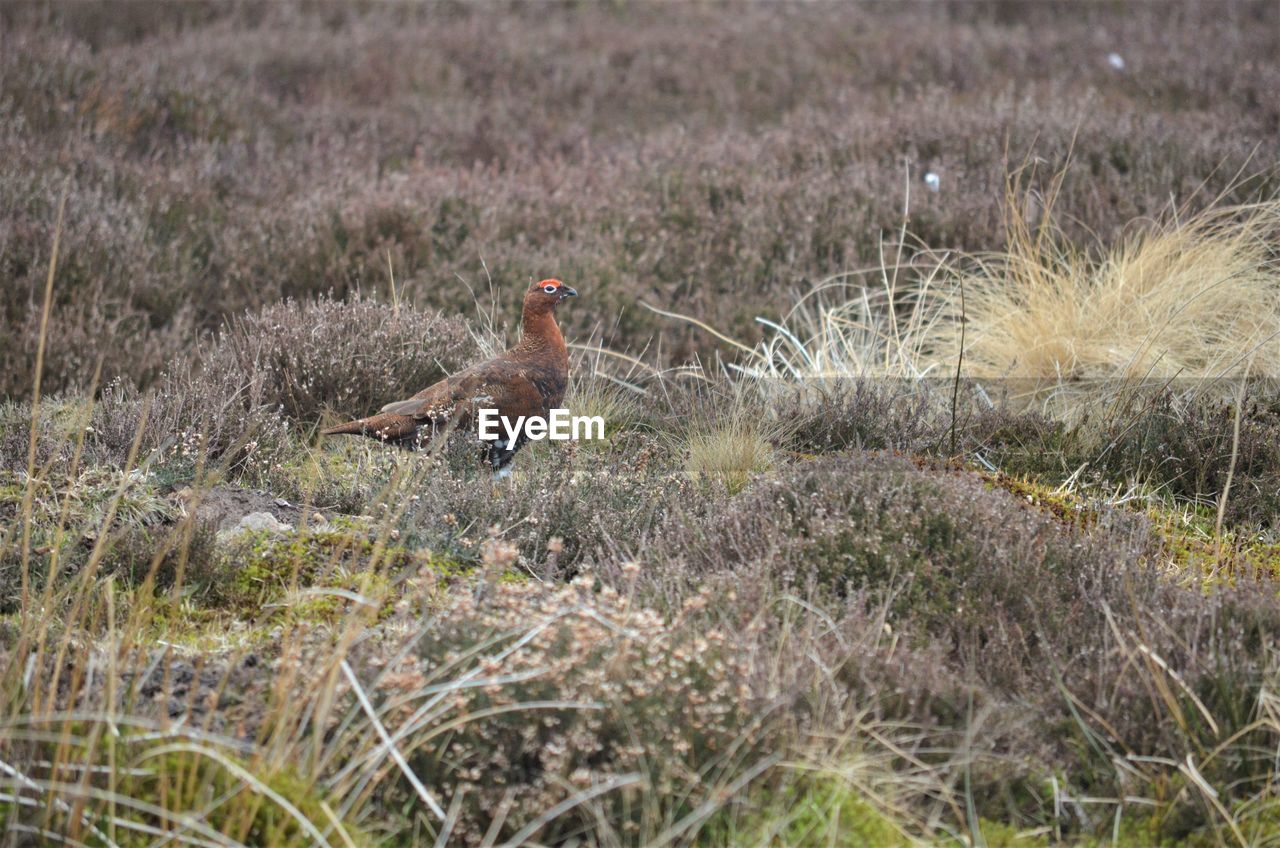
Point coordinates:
[[354, 428], [387, 426]]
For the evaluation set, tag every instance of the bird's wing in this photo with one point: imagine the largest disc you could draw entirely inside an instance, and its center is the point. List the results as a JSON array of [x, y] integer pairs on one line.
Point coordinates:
[[431, 404], [512, 388]]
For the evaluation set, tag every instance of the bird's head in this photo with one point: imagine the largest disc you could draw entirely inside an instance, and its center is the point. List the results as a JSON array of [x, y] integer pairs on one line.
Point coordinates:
[[546, 295]]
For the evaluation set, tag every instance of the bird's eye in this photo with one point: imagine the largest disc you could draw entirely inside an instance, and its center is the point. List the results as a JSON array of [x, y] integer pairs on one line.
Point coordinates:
[[549, 289]]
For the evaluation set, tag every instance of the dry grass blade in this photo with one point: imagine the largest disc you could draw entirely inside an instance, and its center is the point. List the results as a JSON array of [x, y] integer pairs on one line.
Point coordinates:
[[180, 821], [249, 780], [719, 797], [1210, 795], [577, 800], [390, 745], [45, 310], [1062, 324]]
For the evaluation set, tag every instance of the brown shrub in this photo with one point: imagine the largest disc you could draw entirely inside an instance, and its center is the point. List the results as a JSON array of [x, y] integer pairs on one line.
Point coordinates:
[[948, 553], [570, 505], [1173, 439], [1030, 628], [1184, 447], [585, 687], [273, 373], [709, 161], [869, 415], [349, 357]]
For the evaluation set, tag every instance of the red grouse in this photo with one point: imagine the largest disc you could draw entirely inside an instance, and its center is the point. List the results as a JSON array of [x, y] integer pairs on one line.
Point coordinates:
[[528, 380]]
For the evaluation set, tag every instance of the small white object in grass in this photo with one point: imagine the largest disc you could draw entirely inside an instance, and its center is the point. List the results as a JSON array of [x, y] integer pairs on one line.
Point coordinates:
[[933, 181], [1116, 61]]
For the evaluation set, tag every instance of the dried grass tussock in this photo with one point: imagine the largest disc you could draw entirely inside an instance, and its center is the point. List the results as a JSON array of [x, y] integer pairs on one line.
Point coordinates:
[[1194, 299]]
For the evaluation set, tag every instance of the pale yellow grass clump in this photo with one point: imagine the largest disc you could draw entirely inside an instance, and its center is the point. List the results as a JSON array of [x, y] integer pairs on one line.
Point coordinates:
[[880, 322], [885, 328], [1054, 322], [729, 445], [1196, 298], [595, 392], [729, 455]]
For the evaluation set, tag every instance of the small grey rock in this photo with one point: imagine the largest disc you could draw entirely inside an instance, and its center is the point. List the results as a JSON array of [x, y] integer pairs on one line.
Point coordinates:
[[255, 522]]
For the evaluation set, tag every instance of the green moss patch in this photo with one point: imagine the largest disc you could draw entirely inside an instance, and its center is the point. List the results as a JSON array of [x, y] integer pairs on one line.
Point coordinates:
[[145, 787], [323, 573]]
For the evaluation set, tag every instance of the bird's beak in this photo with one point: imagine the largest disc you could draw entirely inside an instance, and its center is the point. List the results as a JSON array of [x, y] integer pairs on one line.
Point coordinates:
[[568, 291]]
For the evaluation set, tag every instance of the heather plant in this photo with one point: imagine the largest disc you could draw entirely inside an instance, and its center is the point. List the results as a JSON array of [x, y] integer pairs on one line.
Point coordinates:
[[941, 562], [326, 354], [573, 504], [273, 374], [199, 193], [194, 416], [839, 415], [944, 550], [587, 714], [1187, 446], [1177, 440], [59, 424], [822, 591]]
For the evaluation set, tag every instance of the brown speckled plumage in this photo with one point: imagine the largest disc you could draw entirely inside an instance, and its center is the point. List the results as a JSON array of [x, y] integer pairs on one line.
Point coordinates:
[[528, 380]]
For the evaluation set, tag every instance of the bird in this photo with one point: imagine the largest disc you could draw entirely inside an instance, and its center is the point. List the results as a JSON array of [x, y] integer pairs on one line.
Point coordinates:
[[527, 380]]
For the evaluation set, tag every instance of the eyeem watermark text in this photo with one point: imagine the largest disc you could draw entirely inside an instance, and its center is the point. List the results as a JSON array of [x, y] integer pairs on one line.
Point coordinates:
[[559, 427]]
